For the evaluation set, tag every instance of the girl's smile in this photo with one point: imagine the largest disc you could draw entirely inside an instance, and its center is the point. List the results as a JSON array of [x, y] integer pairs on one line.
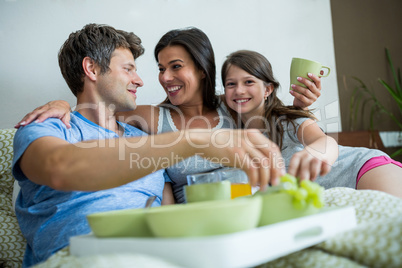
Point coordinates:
[[242, 101]]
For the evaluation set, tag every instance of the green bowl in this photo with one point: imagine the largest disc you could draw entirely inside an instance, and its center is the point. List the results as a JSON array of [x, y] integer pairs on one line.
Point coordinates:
[[277, 207], [120, 223], [205, 218]]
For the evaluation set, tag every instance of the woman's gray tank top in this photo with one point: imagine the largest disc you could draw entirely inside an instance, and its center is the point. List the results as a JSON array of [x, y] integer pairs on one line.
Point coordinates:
[[195, 164]]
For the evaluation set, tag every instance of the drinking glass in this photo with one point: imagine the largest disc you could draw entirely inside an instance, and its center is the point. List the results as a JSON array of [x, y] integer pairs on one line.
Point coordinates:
[[205, 187], [240, 185]]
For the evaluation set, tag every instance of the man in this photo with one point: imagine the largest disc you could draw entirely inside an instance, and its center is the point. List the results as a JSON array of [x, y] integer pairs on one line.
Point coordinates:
[[66, 174]]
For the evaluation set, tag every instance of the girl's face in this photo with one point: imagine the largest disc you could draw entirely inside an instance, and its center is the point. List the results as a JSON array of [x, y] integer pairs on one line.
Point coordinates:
[[244, 93], [179, 76]]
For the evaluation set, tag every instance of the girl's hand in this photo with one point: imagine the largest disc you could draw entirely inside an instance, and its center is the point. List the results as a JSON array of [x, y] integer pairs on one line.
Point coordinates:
[[56, 109], [304, 97], [306, 166]]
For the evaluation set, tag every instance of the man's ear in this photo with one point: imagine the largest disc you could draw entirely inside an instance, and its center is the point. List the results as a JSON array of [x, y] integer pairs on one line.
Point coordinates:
[[268, 90], [89, 68]]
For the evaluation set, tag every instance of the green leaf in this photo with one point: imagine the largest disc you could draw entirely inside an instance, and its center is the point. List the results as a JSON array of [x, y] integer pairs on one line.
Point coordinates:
[[397, 81], [372, 113], [356, 107], [395, 154], [394, 94], [365, 102]]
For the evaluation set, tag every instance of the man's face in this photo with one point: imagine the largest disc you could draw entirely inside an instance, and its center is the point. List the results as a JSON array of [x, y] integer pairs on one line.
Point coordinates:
[[119, 85]]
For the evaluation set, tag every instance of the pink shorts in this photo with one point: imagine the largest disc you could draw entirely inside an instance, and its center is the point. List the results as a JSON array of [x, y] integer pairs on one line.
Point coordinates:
[[375, 162]]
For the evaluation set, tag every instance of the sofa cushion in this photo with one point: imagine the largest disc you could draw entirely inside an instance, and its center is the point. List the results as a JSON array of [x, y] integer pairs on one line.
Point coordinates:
[[12, 243]]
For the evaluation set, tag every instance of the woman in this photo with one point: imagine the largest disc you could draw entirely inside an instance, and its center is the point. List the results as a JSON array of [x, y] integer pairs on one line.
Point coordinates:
[[250, 90], [187, 72]]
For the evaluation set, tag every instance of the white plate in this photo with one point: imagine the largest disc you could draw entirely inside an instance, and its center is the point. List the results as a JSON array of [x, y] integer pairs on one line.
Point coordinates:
[[242, 249]]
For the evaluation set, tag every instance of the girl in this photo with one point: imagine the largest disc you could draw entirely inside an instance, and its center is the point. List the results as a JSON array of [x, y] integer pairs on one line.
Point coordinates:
[[250, 90]]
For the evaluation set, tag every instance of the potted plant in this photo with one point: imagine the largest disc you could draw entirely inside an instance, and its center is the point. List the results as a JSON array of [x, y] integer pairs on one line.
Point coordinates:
[[363, 97]]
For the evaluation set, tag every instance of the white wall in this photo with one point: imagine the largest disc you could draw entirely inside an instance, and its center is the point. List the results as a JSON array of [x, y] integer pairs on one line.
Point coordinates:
[[32, 31]]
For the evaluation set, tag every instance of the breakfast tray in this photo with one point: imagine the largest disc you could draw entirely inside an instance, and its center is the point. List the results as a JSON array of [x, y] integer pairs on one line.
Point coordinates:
[[241, 249]]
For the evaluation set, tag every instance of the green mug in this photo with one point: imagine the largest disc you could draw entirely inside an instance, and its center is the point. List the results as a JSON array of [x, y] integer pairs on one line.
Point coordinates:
[[301, 67]]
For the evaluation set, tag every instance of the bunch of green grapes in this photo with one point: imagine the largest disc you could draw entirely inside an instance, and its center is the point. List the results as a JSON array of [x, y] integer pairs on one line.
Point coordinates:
[[304, 192]]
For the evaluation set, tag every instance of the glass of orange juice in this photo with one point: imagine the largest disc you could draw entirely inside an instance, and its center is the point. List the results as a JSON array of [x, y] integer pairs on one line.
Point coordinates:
[[240, 185]]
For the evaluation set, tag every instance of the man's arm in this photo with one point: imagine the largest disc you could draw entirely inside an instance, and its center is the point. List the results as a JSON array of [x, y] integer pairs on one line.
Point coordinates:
[[96, 165]]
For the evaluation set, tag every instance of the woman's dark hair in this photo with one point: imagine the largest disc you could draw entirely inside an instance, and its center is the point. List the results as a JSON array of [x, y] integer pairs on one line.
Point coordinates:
[[197, 44], [98, 42], [275, 111]]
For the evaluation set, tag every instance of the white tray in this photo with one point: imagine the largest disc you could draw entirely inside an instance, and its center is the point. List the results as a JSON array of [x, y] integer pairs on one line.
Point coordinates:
[[242, 249]]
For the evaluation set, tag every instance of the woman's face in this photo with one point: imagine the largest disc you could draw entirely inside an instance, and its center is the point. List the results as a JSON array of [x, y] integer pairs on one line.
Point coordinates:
[[244, 93], [179, 76]]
